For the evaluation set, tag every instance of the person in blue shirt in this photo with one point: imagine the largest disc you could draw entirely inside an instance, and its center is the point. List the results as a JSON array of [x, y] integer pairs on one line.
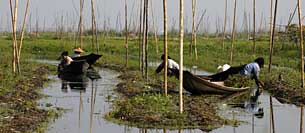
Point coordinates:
[[251, 70]]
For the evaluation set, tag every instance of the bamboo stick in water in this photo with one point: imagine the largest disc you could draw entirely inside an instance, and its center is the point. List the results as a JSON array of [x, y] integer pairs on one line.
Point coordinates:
[[233, 33], [181, 55], [165, 45]]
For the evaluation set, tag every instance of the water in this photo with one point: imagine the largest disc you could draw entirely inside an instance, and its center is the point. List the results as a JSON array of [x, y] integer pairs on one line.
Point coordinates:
[[79, 117]]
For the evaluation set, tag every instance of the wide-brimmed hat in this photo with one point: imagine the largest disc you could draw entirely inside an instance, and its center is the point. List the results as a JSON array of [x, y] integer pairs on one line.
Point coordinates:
[[79, 50]]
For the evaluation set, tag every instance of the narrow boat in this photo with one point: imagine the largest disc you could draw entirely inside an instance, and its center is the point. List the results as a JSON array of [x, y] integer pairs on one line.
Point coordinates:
[[75, 68], [90, 59], [200, 85], [79, 65]]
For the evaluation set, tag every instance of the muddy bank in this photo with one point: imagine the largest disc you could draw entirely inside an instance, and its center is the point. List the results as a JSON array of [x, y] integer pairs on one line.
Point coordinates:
[[19, 112], [144, 105]]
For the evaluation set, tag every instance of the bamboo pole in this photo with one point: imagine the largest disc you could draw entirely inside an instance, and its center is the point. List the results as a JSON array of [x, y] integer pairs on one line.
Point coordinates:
[[140, 36], [271, 32], [200, 21], [126, 36], [193, 38], [14, 26], [245, 23], [260, 30], [254, 26], [165, 45], [181, 55], [249, 25], [301, 41], [143, 40], [192, 35], [154, 28], [131, 20], [80, 26], [233, 33], [146, 41], [224, 25], [272, 37], [15, 34], [37, 27], [22, 34], [93, 28]]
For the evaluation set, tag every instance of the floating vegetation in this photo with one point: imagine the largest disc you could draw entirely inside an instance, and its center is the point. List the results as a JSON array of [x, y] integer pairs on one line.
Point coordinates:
[[239, 81], [143, 105]]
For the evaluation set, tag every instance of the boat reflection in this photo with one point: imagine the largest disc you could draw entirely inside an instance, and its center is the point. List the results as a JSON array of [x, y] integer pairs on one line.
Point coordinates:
[[79, 81]]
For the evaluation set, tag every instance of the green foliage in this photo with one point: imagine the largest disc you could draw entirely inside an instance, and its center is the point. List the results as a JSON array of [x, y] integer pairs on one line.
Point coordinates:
[[149, 109], [239, 81]]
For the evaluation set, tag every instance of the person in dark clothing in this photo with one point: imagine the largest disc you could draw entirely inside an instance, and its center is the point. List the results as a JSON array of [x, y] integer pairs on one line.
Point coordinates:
[[65, 60], [252, 70], [172, 65]]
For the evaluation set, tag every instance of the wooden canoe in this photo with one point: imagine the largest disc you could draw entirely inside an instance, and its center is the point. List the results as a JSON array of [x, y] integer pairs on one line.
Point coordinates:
[[197, 85], [90, 59], [75, 68]]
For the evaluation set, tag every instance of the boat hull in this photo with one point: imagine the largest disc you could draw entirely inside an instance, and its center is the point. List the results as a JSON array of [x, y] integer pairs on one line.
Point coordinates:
[[75, 68], [197, 85]]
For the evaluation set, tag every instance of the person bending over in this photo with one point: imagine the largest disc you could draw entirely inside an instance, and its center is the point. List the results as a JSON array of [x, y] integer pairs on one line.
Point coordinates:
[[251, 70], [172, 65]]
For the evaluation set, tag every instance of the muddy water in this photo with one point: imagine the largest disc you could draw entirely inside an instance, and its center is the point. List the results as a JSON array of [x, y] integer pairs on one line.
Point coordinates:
[[79, 117]]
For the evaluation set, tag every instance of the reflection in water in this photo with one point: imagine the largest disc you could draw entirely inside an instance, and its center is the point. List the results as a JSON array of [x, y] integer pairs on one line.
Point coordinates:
[[252, 106], [93, 97], [81, 107], [80, 83], [301, 119], [272, 125], [94, 101]]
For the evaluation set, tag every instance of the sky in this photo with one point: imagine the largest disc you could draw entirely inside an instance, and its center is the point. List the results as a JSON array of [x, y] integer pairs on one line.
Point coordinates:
[[110, 13]]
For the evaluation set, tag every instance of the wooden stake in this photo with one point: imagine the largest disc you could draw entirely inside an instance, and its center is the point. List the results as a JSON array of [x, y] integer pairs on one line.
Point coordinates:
[[80, 26], [271, 32], [143, 41], [155, 29], [146, 41], [301, 41], [181, 55], [193, 38], [233, 33], [272, 37], [93, 28], [165, 45], [22, 33], [140, 36], [224, 25], [126, 36], [254, 26], [14, 25]]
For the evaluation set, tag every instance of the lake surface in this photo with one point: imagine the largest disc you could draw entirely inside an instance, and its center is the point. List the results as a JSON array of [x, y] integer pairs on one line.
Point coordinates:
[[86, 109]]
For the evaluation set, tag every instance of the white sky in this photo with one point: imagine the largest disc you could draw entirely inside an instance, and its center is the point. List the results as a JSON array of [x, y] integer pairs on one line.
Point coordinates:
[[50, 12]]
